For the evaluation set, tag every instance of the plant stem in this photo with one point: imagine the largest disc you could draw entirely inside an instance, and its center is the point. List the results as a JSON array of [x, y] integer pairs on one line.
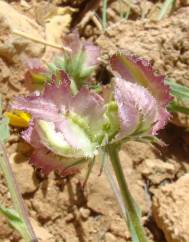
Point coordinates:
[[104, 14], [129, 204], [28, 232], [165, 8], [115, 189]]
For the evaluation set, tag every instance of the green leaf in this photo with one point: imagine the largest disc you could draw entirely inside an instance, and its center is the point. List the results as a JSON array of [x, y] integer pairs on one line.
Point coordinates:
[[166, 7], [4, 130], [104, 14], [178, 90], [4, 126], [13, 219], [89, 170], [1, 106], [181, 94], [112, 122], [174, 107], [52, 67], [151, 139]]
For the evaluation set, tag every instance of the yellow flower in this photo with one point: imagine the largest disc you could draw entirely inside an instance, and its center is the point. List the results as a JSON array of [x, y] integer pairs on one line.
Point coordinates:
[[18, 118]]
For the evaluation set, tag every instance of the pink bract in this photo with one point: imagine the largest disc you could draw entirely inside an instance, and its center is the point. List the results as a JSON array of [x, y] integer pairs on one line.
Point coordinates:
[[47, 161], [92, 52], [36, 75], [138, 70], [137, 106]]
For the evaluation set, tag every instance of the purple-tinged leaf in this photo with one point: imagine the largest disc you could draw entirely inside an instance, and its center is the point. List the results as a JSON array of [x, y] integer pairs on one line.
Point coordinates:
[[91, 51], [89, 104], [92, 54], [31, 136], [137, 70], [48, 161], [47, 106], [59, 94], [163, 117], [73, 42], [37, 106]]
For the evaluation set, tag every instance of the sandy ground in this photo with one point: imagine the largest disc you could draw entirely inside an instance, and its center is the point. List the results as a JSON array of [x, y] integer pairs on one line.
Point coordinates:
[[59, 208]]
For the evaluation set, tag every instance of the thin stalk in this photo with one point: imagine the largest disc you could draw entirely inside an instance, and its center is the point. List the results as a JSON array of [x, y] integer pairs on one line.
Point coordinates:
[[130, 207], [165, 8], [115, 189], [104, 14], [128, 13], [174, 107], [41, 41], [90, 167], [121, 9], [28, 234]]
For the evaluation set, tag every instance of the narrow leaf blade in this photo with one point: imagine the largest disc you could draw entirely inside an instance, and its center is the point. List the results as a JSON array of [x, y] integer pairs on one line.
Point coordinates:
[[13, 218], [4, 130], [4, 127]]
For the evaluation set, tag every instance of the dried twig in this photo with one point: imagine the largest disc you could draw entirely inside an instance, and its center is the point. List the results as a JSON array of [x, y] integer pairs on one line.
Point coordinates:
[[40, 41]]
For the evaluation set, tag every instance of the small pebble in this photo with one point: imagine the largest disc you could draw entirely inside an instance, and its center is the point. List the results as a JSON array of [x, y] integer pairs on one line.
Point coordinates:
[[84, 212]]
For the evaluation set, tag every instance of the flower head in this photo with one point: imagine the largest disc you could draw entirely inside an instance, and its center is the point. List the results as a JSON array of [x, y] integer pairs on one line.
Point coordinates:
[[137, 109], [69, 128], [81, 61], [144, 92], [18, 118], [78, 64], [65, 128]]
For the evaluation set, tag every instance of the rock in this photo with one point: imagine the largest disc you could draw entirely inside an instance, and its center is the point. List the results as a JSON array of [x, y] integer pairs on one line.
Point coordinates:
[[13, 47], [44, 211], [4, 70], [55, 28], [109, 237], [84, 212], [69, 217], [170, 210], [5, 230], [41, 233], [119, 229], [138, 151], [157, 170], [24, 173]]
